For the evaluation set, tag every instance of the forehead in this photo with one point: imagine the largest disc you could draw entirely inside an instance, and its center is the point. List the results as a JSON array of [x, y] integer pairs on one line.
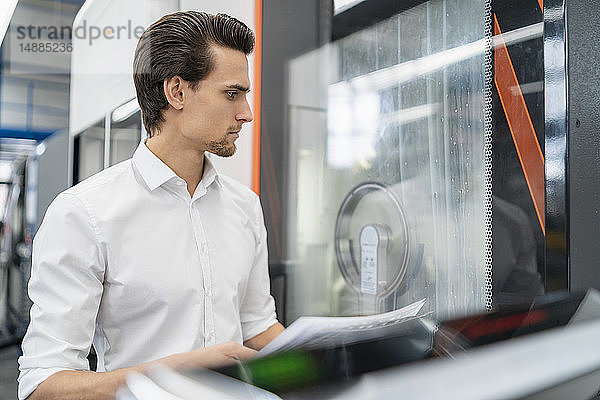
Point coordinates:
[[230, 66]]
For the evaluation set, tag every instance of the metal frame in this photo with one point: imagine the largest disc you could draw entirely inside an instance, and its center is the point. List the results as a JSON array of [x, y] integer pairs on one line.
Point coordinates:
[[107, 125], [368, 13], [556, 150], [107, 136]]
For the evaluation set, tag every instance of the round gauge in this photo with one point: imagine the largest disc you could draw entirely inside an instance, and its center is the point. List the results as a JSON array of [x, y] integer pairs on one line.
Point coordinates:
[[372, 207]]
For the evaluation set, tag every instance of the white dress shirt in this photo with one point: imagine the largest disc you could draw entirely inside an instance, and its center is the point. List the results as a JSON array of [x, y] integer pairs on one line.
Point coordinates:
[[128, 261]]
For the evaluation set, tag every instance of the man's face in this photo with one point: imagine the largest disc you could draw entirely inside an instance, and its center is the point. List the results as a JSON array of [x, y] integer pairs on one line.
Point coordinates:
[[213, 114]]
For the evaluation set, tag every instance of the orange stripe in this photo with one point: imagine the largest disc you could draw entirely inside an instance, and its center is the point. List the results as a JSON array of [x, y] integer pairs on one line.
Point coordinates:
[[541, 3], [257, 97], [521, 128]]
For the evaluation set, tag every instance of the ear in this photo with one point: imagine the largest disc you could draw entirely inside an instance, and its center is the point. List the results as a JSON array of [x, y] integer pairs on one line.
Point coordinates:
[[173, 91]]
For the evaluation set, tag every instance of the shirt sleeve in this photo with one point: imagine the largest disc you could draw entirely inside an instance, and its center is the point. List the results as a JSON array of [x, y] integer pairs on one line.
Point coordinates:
[[257, 312], [65, 287]]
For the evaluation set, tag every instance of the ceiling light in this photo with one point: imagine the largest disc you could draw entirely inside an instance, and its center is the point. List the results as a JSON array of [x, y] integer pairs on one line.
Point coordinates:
[[6, 13], [125, 111]]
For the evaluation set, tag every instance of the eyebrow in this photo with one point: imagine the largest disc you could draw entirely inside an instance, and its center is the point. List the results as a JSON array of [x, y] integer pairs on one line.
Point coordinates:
[[239, 87]]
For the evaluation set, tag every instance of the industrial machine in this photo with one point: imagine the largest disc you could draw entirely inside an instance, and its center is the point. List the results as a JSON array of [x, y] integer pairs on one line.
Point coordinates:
[[416, 148], [18, 219], [538, 352]]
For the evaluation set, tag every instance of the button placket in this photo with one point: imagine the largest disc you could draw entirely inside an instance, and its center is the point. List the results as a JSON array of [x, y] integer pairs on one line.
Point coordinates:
[[200, 237]]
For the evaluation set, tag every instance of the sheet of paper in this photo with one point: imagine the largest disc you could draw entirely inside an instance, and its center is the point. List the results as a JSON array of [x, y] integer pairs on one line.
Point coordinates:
[[306, 331], [162, 383]]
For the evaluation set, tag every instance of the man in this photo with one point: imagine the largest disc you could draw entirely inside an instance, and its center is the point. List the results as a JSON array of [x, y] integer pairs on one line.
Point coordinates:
[[158, 259]]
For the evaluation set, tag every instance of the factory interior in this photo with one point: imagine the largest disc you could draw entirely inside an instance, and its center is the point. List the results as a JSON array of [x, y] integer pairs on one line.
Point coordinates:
[[410, 209]]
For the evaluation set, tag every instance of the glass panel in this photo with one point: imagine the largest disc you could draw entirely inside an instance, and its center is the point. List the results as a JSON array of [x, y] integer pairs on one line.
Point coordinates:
[[125, 135], [518, 170], [91, 151], [387, 166]]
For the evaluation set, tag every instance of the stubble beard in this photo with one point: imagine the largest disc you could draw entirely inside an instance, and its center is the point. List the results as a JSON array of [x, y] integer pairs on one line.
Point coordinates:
[[221, 148]]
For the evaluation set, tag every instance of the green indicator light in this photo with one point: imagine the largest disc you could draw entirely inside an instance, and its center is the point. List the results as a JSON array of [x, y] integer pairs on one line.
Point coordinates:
[[283, 370]]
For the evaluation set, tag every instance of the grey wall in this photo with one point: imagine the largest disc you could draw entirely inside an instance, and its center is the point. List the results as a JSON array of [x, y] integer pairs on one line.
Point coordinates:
[[290, 28], [583, 143], [53, 175]]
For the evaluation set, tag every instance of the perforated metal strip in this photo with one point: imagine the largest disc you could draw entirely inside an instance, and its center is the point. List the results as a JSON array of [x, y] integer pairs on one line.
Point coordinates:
[[487, 149]]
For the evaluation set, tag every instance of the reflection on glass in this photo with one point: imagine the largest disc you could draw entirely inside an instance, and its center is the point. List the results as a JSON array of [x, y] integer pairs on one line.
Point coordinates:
[[516, 277], [400, 103], [374, 248], [124, 137], [90, 147]]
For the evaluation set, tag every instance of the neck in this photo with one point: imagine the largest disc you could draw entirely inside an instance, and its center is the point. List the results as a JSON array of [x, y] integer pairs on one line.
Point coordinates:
[[186, 162]]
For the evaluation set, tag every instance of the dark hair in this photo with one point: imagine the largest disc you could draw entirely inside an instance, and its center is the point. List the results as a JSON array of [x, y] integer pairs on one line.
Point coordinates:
[[180, 44]]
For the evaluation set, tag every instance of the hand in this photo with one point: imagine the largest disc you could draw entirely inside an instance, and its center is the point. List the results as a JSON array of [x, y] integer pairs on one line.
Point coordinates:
[[218, 355], [104, 385]]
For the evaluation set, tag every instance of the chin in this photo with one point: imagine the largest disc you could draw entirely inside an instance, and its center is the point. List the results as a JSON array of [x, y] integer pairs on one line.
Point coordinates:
[[222, 148], [228, 154], [224, 152]]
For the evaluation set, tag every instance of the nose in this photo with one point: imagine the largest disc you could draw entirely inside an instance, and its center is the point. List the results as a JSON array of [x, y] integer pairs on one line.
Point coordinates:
[[245, 114]]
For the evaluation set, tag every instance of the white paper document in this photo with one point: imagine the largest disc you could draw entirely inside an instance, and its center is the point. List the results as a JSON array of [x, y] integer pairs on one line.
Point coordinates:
[[307, 332]]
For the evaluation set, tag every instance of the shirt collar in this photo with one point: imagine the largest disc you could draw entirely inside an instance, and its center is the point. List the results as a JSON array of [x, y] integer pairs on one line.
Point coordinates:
[[210, 173], [155, 172]]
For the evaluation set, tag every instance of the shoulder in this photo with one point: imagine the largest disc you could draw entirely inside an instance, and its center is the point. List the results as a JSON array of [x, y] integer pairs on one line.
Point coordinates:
[[509, 212], [242, 197], [238, 190], [510, 219], [94, 195], [102, 181]]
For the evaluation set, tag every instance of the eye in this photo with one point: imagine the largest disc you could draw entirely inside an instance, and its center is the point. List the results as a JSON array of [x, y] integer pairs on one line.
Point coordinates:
[[231, 94]]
